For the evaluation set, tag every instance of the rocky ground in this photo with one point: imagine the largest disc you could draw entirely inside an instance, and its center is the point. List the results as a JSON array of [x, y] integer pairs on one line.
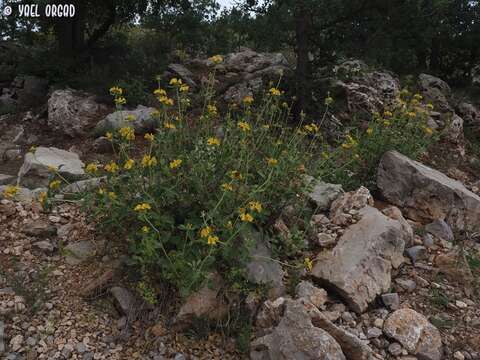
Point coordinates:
[[395, 276]]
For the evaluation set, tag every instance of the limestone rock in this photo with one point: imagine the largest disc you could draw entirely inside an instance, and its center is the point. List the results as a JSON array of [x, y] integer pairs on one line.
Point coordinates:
[[79, 252], [205, 303], [73, 113], [36, 169], [323, 194], [435, 91], [311, 293], [353, 200], [295, 337], [426, 194], [143, 121], [440, 229], [469, 112], [39, 228], [415, 333], [359, 267]]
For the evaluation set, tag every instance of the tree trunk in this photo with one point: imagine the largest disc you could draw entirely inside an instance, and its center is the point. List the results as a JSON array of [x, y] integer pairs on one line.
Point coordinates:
[[302, 75]]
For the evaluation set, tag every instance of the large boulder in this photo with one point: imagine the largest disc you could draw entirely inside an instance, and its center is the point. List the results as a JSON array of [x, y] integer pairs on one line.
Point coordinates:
[[73, 113], [141, 119], [415, 333], [295, 337], [38, 167], [34, 91], [435, 91], [359, 267], [426, 194]]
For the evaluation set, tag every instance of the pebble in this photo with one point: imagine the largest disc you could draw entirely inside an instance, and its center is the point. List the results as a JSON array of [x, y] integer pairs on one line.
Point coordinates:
[[391, 301], [378, 323], [458, 356], [460, 304], [395, 349], [374, 332], [416, 253]]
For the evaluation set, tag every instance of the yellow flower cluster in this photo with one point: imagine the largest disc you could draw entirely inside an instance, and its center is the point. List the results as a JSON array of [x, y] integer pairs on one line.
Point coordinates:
[[275, 92], [244, 216], [150, 137], [165, 100], [127, 132], [212, 110], [311, 128], [207, 232], [170, 126], [55, 184], [142, 207], [120, 100], [308, 263], [244, 126], [213, 141], [349, 143], [129, 164], [328, 100], [91, 168], [248, 100], [184, 88], [111, 167], [10, 191], [272, 161], [216, 59], [235, 174], [160, 92], [255, 206], [176, 82], [175, 163], [227, 187], [149, 161], [130, 117], [116, 91]]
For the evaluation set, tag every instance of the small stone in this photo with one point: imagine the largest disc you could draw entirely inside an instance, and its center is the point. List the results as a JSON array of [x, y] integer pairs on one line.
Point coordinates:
[[374, 332], [315, 295], [460, 304], [16, 343], [391, 301], [395, 349], [458, 356], [416, 253], [440, 229], [406, 284], [81, 348], [428, 240], [378, 323], [180, 356]]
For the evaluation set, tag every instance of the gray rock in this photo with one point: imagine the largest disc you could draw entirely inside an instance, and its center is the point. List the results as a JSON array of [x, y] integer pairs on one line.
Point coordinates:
[[295, 337], [426, 194], [415, 333], [35, 171], [83, 186], [323, 194], [428, 240], [351, 345], [143, 122], [7, 179], [416, 253], [44, 245], [469, 113], [25, 196], [395, 349], [38, 228], [309, 292], [406, 284], [128, 303], [435, 91], [2, 337], [262, 269], [73, 113], [79, 252], [391, 301], [359, 267], [440, 229], [373, 333], [180, 71]]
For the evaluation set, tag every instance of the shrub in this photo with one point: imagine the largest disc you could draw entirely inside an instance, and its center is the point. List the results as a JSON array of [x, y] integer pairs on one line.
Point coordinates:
[[188, 202]]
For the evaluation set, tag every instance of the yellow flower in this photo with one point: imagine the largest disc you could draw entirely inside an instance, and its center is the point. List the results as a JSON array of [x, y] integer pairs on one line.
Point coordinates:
[[266, 127], [246, 217], [129, 164], [149, 161], [175, 81], [212, 109], [255, 206], [91, 168], [52, 168], [169, 125], [120, 100], [42, 197], [229, 225], [325, 155], [142, 207], [216, 59], [149, 137], [227, 187], [101, 191], [428, 130], [356, 156], [206, 231], [369, 131], [387, 113], [127, 133], [145, 229], [248, 100], [244, 126], [418, 97], [10, 191], [275, 92], [386, 123], [116, 91], [166, 100], [111, 167], [184, 88], [212, 240], [32, 149], [308, 264], [347, 146], [112, 195], [109, 136], [311, 128], [155, 113], [55, 184], [175, 163], [160, 92], [411, 114], [235, 174], [130, 117], [328, 100], [430, 106], [272, 161], [213, 141]]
